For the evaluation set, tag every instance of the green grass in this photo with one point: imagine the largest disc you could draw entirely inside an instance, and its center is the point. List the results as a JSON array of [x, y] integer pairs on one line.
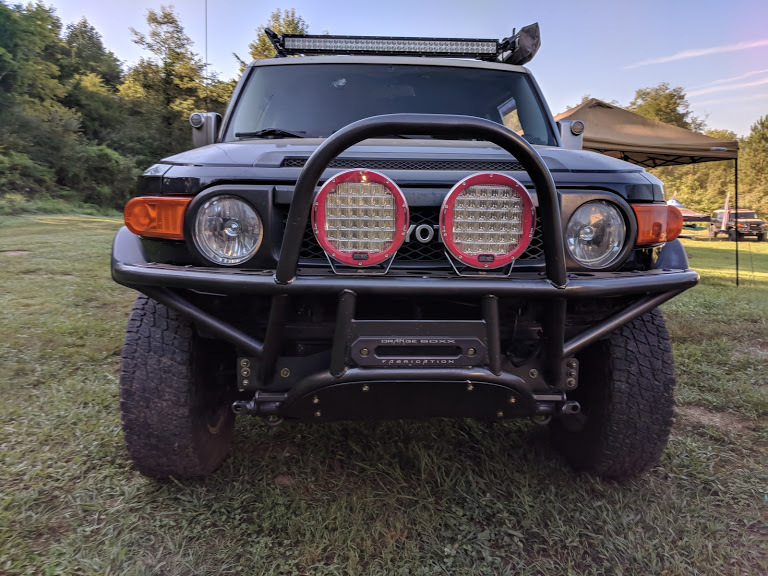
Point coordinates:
[[440, 497]]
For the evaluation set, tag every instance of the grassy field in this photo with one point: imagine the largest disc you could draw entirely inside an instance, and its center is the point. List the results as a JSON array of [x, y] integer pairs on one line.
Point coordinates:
[[442, 497]]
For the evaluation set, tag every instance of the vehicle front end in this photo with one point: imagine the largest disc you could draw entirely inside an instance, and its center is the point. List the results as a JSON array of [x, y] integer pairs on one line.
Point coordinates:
[[405, 265]]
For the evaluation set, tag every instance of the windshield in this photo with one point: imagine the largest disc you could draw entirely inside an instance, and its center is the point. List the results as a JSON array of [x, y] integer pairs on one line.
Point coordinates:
[[732, 215], [315, 100]]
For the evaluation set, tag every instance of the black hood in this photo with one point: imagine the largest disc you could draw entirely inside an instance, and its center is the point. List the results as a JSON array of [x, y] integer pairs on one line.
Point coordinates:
[[412, 162], [272, 154]]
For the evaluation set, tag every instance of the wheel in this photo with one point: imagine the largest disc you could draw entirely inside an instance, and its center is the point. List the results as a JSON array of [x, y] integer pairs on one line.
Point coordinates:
[[176, 419], [626, 396], [762, 237], [732, 235], [713, 232]]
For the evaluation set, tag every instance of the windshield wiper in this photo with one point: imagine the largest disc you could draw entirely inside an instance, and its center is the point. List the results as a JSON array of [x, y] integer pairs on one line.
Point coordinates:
[[271, 133]]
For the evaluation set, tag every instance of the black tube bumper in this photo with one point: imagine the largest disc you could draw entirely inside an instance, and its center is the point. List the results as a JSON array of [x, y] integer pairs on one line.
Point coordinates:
[[131, 268], [336, 390]]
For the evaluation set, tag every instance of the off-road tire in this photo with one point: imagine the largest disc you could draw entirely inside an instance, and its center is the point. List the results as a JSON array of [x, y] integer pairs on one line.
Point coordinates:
[[732, 235], [176, 418], [762, 237], [626, 385]]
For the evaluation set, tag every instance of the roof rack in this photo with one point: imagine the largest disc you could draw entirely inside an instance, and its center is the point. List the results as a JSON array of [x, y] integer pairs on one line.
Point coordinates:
[[519, 48]]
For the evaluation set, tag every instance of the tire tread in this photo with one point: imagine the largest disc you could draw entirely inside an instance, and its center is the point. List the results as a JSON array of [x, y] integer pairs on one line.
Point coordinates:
[[158, 401], [634, 397]]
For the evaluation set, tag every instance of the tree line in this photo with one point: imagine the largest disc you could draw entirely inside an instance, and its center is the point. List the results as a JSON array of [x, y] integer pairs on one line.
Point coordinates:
[[77, 126]]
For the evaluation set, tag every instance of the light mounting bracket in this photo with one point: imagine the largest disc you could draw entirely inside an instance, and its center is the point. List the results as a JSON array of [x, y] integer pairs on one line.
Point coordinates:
[[517, 49]]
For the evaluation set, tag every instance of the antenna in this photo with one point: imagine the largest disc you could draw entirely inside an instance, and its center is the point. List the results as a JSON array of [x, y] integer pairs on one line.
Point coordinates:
[[207, 106]]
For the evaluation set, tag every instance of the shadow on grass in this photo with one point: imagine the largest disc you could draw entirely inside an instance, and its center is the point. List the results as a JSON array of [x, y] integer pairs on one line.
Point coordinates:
[[420, 452], [454, 496]]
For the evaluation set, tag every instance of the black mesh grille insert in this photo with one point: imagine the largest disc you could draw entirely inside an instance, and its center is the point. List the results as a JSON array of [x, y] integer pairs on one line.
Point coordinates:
[[431, 253], [415, 251], [392, 164]]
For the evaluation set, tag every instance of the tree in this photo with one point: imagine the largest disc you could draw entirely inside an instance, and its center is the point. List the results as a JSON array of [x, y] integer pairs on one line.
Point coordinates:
[[46, 96], [85, 53], [162, 90], [35, 128], [101, 114], [90, 74], [667, 105], [753, 168], [281, 23]]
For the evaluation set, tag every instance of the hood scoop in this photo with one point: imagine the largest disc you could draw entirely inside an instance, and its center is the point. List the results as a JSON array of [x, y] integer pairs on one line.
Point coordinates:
[[411, 164]]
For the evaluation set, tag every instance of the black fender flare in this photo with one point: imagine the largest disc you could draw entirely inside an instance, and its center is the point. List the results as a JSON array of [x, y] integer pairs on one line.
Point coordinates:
[[672, 257]]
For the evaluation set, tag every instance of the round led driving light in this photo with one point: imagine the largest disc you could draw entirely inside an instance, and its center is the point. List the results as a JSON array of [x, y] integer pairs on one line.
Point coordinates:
[[487, 220], [596, 234], [360, 218], [227, 230]]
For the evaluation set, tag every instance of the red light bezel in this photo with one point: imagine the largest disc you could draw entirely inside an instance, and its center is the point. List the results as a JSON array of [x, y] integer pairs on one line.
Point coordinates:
[[487, 178], [401, 218]]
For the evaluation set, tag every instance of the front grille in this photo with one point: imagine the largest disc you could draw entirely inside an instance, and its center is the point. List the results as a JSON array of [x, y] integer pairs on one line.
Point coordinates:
[[414, 252], [393, 164]]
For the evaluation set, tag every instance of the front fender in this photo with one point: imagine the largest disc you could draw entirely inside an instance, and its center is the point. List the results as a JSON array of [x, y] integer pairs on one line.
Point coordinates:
[[672, 257]]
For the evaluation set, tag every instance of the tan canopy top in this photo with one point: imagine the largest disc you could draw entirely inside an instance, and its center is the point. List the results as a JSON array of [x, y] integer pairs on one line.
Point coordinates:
[[623, 134]]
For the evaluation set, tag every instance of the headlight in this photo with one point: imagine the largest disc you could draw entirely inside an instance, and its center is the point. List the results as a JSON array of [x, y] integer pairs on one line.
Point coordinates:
[[595, 234], [227, 230], [360, 218], [487, 220]]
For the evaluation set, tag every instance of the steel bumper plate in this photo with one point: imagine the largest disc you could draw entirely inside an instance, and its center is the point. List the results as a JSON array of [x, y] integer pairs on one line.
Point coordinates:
[[418, 343], [410, 399]]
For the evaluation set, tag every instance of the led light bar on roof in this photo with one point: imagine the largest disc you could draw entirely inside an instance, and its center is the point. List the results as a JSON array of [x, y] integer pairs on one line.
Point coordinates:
[[453, 47], [518, 49]]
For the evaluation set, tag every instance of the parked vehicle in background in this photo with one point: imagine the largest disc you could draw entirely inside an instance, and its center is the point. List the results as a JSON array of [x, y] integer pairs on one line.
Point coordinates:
[[397, 228], [747, 224]]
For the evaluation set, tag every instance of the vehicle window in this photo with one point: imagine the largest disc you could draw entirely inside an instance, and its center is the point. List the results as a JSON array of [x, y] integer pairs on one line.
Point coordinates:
[[318, 99]]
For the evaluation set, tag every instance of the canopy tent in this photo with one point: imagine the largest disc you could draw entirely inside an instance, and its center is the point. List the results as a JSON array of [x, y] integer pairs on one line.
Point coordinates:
[[623, 134]]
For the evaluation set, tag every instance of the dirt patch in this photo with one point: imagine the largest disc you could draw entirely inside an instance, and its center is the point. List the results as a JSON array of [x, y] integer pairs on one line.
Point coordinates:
[[723, 421], [14, 252], [762, 346], [284, 480]]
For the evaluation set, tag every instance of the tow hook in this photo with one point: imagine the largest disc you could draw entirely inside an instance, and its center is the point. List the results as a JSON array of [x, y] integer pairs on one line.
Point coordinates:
[[570, 407], [547, 409], [263, 403]]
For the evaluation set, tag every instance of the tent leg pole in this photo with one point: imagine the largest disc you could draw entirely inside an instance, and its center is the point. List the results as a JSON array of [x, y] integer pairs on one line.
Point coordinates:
[[736, 220]]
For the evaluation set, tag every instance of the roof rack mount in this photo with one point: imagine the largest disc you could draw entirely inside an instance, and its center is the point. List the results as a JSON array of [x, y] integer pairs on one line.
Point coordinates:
[[519, 48]]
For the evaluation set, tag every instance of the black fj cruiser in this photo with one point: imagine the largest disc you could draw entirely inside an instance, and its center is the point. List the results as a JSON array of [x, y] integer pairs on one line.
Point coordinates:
[[396, 228], [748, 223]]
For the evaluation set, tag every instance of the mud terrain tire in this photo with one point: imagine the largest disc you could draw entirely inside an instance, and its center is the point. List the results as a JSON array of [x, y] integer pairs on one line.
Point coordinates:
[[626, 396], [176, 419]]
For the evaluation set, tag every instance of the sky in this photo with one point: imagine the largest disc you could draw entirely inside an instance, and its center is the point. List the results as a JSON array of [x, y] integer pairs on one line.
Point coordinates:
[[717, 51]]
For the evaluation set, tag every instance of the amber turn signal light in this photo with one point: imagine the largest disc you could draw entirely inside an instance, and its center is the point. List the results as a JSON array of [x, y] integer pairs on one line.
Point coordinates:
[[156, 216], [657, 223]]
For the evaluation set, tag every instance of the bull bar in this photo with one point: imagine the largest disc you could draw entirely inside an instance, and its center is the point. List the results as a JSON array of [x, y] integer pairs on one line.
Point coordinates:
[[162, 282]]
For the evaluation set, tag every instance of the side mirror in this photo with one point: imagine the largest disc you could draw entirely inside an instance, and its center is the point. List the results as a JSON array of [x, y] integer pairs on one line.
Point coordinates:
[[205, 127], [571, 133]]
